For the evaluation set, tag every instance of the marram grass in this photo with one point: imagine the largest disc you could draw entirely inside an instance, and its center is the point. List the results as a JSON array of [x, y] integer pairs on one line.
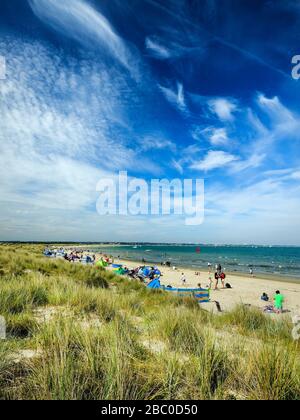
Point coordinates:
[[80, 333]]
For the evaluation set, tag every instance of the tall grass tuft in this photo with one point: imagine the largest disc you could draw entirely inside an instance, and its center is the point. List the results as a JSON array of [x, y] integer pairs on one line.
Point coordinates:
[[17, 297], [251, 321], [183, 329], [21, 325], [273, 374], [86, 364], [213, 368]]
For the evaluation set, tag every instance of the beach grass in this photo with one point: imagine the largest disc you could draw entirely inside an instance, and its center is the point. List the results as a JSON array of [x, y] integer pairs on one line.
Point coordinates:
[[81, 333], [251, 321]]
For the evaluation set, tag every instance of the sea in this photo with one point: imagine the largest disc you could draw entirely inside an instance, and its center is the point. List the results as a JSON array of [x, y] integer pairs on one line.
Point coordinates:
[[269, 260]]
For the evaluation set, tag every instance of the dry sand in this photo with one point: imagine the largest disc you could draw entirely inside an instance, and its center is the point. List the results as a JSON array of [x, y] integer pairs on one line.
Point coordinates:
[[246, 290]]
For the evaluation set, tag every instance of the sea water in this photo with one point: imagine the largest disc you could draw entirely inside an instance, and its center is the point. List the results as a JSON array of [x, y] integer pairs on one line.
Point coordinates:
[[284, 261]]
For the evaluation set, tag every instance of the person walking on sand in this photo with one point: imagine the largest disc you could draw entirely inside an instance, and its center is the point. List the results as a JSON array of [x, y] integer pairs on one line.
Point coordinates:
[[278, 302], [209, 268], [183, 279], [217, 278], [219, 269], [222, 278]]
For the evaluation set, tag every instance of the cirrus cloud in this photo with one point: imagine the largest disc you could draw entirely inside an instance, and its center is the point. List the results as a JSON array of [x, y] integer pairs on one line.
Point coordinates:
[[214, 160], [80, 21]]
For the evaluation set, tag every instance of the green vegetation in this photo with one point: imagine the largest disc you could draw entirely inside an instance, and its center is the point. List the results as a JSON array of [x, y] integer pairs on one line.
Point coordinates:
[[77, 332]]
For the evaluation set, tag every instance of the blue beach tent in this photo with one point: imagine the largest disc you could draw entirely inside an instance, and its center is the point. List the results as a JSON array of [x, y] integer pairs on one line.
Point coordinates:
[[202, 295]]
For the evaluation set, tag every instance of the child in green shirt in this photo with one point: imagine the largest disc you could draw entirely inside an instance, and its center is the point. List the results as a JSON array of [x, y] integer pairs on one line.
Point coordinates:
[[278, 302]]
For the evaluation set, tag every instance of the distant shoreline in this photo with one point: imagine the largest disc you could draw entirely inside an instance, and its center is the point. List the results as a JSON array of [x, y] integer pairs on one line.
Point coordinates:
[[124, 244], [257, 275]]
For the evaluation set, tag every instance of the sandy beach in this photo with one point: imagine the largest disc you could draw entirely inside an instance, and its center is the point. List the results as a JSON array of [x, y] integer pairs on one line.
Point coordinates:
[[245, 290]]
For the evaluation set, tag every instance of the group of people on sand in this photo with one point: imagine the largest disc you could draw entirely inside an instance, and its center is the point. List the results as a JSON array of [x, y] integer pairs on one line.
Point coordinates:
[[78, 256], [143, 273], [278, 301], [73, 256], [219, 276]]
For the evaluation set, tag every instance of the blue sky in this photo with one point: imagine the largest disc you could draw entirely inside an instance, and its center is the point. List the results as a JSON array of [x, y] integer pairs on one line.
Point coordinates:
[[162, 89]]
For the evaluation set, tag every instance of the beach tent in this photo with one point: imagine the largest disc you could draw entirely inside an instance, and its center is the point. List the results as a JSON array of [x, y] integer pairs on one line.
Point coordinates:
[[147, 271], [202, 295], [154, 284]]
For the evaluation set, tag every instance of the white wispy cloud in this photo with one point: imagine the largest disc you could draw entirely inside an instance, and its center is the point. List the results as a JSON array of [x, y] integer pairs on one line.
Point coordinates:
[[282, 126], [176, 97], [259, 210], [252, 162], [224, 108], [289, 174], [171, 46], [178, 166], [56, 133], [214, 160], [253, 137], [216, 136], [78, 20], [219, 137], [275, 109], [157, 143], [179, 13], [156, 49]]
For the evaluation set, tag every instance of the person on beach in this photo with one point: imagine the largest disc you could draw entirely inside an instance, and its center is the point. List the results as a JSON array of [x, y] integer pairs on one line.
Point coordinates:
[[278, 302], [265, 297], [183, 279], [217, 278], [223, 278]]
